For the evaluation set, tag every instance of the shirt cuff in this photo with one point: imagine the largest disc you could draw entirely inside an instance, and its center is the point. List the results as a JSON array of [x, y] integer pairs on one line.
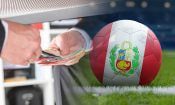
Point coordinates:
[[6, 31], [85, 36]]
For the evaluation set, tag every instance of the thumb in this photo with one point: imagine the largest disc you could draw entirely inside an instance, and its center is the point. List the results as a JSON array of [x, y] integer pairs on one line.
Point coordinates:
[[64, 47], [53, 43]]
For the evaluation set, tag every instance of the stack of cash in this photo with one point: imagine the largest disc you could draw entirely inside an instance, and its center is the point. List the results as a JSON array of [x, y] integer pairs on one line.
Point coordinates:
[[53, 56]]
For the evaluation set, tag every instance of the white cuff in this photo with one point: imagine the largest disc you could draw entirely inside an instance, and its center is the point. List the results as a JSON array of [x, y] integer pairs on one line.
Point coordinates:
[[86, 37], [6, 30]]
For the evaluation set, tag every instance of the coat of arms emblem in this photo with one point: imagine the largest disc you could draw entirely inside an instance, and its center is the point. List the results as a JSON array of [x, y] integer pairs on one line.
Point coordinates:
[[124, 58]]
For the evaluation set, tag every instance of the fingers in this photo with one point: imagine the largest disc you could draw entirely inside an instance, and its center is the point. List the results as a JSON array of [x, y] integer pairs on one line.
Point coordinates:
[[61, 42], [31, 58], [64, 45], [68, 42], [36, 35], [53, 43], [38, 53], [17, 61], [33, 52], [68, 61], [35, 56], [22, 44], [35, 46]]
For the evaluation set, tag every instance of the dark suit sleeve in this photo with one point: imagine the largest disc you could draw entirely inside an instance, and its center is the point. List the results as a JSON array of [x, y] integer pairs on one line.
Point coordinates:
[[2, 35], [91, 25]]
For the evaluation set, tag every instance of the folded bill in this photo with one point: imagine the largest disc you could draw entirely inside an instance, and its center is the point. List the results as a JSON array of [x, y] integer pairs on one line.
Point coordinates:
[[53, 56]]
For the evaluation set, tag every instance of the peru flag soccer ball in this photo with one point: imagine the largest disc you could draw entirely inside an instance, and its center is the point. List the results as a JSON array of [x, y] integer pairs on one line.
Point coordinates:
[[125, 52]]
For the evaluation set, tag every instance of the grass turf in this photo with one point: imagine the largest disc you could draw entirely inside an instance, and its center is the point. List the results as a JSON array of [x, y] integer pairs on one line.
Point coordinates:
[[166, 76], [129, 99]]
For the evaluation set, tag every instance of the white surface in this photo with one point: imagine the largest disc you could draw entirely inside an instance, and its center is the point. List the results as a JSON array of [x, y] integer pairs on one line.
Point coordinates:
[[45, 72], [27, 83], [48, 93], [10, 8], [35, 11], [2, 89]]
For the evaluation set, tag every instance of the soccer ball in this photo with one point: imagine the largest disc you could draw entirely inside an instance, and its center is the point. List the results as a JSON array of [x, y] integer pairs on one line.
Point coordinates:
[[125, 52]]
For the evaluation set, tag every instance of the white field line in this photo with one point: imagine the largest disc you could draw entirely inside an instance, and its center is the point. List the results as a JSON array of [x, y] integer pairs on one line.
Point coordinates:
[[109, 90]]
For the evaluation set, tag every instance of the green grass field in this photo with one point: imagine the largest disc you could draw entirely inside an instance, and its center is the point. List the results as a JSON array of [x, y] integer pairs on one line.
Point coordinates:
[[129, 99], [165, 78]]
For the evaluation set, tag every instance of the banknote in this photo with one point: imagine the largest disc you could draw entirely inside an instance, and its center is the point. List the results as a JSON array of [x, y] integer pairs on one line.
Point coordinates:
[[53, 56]]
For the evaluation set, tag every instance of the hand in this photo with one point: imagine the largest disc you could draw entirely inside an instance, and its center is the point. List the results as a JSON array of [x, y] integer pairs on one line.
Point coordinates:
[[68, 42], [65, 44], [22, 45], [66, 61]]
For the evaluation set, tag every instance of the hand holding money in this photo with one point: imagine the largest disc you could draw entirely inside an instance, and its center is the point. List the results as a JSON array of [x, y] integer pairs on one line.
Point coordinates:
[[65, 49]]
